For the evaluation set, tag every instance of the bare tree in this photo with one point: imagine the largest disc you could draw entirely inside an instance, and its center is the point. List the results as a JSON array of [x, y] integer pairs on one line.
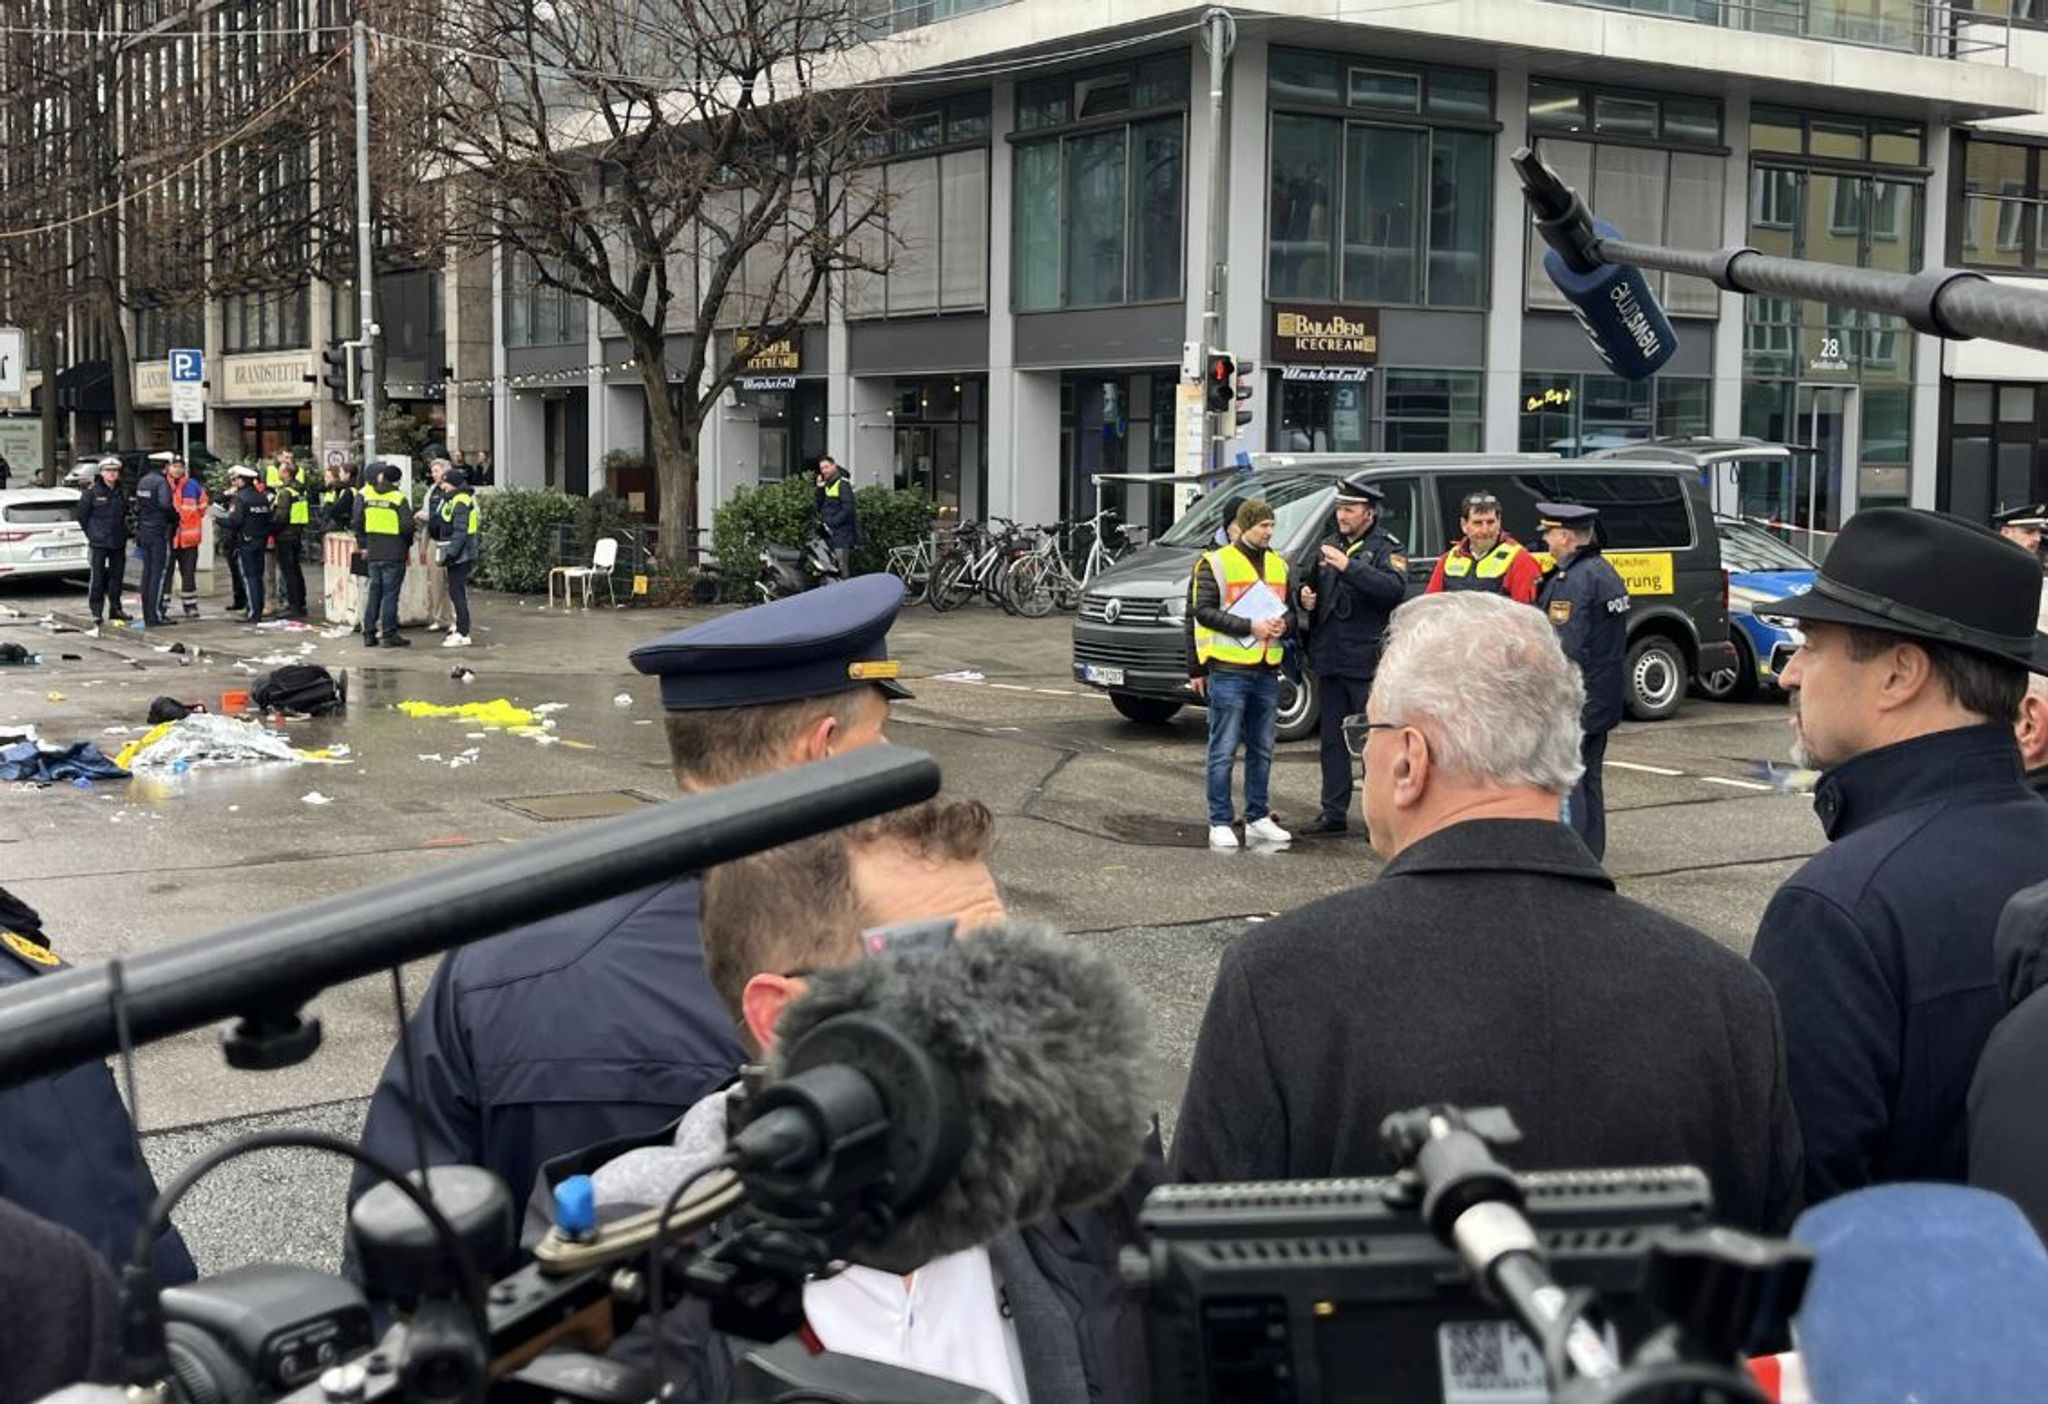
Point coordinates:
[[687, 166]]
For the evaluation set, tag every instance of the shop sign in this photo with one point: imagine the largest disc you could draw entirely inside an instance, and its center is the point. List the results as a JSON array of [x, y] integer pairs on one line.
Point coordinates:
[[277, 379], [1326, 336], [1343, 374], [1553, 397], [784, 354], [767, 382], [152, 384]]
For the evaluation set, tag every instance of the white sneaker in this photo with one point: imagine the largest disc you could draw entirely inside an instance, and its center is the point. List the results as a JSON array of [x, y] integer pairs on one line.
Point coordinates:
[[437, 628], [1222, 836], [455, 640], [1266, 831]]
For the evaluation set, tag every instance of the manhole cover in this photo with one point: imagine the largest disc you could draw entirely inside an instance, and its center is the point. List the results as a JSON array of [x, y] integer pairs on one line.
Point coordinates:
[[1154, 832], [581, 804]]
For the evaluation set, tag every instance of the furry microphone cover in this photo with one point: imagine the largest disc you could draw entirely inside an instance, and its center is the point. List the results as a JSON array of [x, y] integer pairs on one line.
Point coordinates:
[[1049, 1044]]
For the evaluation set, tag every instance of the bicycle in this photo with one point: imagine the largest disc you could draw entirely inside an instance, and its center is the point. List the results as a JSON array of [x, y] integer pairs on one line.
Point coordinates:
[[981, 567], [1046, 579], [912, 565]]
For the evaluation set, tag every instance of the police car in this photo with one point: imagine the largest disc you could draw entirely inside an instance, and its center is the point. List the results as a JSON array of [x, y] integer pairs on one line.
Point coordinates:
[[1761, 571], [1131, 635]]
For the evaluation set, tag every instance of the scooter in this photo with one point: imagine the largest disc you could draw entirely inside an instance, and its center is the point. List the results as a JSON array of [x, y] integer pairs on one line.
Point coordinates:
[[791, 570]]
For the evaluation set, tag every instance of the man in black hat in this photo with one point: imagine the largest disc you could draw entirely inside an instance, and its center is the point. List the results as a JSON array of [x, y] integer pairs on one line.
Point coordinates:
[[1358, 578], [602, 1022], [1588, 604], [1918, 639]]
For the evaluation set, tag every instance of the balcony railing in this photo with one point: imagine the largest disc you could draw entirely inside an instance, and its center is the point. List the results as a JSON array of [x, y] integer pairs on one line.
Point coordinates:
[[1938, 28]]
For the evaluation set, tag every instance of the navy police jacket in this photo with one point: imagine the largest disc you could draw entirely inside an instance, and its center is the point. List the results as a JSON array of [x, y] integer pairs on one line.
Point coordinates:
[[1588, 603], [595, 1024], [835, 508], [1352, 604], [1880, 950], [67, 1147]]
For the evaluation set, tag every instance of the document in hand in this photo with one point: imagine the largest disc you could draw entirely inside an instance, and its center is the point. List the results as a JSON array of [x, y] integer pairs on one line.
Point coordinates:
[[1258, 603]]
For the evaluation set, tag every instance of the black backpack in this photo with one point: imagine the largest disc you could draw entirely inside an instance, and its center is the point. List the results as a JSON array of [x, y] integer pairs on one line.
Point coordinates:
[[299, 687]]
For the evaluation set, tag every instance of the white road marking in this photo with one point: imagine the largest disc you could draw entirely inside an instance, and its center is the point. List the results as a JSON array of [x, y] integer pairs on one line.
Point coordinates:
[[1645, 769], [1053, 691], [1009, 687], [1736, 784]]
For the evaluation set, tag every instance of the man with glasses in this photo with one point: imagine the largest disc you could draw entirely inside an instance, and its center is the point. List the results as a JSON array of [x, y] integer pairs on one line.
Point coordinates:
[[1491, 963], [1487, 559]]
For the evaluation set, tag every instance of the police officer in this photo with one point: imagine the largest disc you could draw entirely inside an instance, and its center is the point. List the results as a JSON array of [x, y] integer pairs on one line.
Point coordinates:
[[1358, 577], [249, 522], [384, 525], [103, 512], [67, 1146], [603, 1022], [291, 514], [1588, 605], [156, 520], [2022, 526]]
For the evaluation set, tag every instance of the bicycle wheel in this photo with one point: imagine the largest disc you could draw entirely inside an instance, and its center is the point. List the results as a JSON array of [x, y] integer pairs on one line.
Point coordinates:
[[1028, 584], [952, 583], [1066, 588], [917, 584]]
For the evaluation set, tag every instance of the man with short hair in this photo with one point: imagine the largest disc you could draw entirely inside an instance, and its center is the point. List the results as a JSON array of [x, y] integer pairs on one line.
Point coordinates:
[[291, 514], [190, 501], [156, 517], [634, 1033], [837, 512], [1918, 635], [1241, 613], [249, 525], [103, 512], [384, 527], [2031, 732], [770, 920], [1492, 962], [440, 609], [1587, 602], [1486, 558]]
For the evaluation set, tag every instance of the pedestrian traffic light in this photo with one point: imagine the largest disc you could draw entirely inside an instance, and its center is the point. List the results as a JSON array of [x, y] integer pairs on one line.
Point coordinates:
[[1222, 382], [339, 377], [1243, 389]]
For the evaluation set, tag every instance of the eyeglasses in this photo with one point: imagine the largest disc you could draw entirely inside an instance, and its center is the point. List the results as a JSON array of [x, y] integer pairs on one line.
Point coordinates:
[[1357, 731]]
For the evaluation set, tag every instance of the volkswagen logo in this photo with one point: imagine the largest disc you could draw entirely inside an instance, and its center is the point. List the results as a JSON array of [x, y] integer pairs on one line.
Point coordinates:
[[1113, 611]]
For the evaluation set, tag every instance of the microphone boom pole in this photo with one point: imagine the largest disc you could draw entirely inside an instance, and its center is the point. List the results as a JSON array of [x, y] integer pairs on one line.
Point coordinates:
[[1946, 302], [280, 960]]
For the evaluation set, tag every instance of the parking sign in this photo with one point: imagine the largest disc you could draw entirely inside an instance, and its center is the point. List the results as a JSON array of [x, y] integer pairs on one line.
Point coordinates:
[[188, 386], [188, 366]]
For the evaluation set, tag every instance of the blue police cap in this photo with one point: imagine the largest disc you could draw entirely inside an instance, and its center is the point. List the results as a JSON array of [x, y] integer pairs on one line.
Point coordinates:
[[1565, 514], [811, 645]]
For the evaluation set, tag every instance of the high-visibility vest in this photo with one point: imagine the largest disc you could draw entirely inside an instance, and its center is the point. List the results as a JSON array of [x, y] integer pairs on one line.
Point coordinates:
[[448, 505], [1488, 573], [191, 501], [271, 477], [1235, 574], [301, 513], [383, 511]]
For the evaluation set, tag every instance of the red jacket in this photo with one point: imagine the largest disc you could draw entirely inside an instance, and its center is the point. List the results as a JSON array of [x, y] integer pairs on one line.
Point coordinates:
[[192, 502], [1507, 569]]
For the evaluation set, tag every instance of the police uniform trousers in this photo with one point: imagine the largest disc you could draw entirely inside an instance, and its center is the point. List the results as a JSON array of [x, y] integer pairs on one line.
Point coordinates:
[[1586, 808], [291, 574], [156, 563], [1341, 697]]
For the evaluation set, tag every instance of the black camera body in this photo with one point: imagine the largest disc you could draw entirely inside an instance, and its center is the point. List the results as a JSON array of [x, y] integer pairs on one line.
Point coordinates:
[[262, 1331]]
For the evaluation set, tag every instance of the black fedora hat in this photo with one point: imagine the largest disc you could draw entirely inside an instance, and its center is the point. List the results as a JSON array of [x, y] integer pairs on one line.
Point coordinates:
[[1927, 575]]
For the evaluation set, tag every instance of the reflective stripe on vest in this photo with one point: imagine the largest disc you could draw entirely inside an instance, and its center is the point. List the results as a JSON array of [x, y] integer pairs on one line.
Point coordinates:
[[448, 509], [301, 513], [272, 479], [1489, 572], [1235, 575], [382, 512]]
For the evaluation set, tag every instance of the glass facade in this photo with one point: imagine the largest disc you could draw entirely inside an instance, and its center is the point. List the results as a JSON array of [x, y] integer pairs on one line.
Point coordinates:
[[941, 441], [535, 314], [1573, 414], [271, 320], [1999, 223], [929, 243]]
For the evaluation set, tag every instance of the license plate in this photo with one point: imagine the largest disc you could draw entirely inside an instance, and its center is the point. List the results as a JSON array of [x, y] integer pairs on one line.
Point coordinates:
[[1489, 1362], [1101, 676], [60, 553]]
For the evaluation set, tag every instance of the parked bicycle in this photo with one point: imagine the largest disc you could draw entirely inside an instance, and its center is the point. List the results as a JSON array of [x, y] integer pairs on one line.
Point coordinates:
[[1046, 578], [979, 565]]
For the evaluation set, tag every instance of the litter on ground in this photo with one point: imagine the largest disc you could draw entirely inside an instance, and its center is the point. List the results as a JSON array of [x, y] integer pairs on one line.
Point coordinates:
[[314, 797], [498, 712], [81, 763], [624, 699], [209, 739], [550, 708]]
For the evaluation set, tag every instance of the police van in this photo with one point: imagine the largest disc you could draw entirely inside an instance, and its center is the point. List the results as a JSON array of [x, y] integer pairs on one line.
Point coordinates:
[[1131, 638]]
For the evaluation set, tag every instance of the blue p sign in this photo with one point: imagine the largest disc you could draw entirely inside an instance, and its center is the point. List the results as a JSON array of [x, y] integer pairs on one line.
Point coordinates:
[[188, 367]]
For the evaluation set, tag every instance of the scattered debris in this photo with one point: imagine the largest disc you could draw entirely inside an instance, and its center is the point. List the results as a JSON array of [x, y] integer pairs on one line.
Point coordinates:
[[644, 721], [53, 697], [339, 631], [624, 699], [287, 626], [462, 675], [81, 763], [314, 797], [208, 739], [550, 708], [498, 712]]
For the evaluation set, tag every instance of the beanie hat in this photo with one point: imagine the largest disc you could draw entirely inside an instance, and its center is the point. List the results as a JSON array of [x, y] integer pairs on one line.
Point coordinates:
[[1253, 511]]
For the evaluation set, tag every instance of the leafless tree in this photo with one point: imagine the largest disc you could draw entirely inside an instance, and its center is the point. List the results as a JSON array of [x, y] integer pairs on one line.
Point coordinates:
[[690, 167]]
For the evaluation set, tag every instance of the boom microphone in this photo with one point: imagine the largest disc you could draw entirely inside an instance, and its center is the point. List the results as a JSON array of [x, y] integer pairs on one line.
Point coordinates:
[[1001, 1080], [1922, 1292], [1613, 301]]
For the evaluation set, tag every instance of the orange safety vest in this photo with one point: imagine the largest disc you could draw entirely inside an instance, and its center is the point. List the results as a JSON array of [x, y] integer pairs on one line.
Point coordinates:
[[191, 512]]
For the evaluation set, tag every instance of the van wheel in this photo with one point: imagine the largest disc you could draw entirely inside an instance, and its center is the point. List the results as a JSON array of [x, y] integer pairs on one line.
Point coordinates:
[[1656, 678], [1298, 712], [1151, 711], [1736, 682]]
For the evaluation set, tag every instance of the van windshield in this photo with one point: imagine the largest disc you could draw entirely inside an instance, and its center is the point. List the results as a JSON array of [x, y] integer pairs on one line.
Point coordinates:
[[1294, 498]]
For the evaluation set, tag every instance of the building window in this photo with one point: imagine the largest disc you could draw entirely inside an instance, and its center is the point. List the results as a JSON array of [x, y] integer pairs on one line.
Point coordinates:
[[1431, 411], [2001, 208], [929, 243], [1099, 209], [158, 329], [1378, 212], [536, 314], [1565, 412], [267, 320]]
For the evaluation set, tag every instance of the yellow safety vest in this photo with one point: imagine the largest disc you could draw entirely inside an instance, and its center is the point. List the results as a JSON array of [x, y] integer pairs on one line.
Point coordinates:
[[302, 510], [1489, 572], [271, 477], [832, 488], [1235, 575], [382, 511], [448, 509]]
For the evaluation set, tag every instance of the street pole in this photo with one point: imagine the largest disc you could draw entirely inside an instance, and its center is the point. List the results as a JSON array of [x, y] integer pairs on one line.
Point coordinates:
[[366, 356], [1219, 37]]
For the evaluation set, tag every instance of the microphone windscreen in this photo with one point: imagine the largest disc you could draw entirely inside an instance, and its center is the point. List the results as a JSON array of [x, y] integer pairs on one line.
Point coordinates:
[[1618, 311], [1049, 1043], [1923, 1291]]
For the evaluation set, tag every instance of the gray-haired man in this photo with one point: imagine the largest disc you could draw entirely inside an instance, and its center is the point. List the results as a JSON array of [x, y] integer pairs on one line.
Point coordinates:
[[1492, 963]]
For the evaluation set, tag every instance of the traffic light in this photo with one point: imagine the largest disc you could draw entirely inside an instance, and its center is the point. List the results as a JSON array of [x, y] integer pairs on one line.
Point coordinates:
[[1243, 389], [1222, 382], [339, 377]]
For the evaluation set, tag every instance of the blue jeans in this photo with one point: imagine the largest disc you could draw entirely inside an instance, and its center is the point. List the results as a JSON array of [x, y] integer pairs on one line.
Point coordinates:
[[1242, 707], [380, 599]]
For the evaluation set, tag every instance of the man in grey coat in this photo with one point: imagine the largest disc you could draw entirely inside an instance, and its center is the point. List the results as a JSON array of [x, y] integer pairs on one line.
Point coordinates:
[[1492, 963]]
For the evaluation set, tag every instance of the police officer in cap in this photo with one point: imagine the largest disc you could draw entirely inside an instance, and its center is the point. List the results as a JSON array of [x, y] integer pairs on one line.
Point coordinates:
[[2022, 526], [1588, 604], [1359, 576], [603, 1023]]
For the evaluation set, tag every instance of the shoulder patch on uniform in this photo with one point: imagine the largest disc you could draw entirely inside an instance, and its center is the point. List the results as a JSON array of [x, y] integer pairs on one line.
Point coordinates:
[[37, 958], [1560, 611], [1619, 604], [1398, 562]]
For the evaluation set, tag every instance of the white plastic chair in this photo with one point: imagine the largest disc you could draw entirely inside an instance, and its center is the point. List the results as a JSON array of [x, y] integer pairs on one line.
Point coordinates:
[[603, 561]]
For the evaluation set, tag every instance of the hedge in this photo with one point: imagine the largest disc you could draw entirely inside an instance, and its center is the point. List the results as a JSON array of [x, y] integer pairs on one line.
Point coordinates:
[[781, 511]]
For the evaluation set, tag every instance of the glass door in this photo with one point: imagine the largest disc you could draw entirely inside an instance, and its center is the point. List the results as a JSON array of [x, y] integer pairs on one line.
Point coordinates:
[[1824, 480]]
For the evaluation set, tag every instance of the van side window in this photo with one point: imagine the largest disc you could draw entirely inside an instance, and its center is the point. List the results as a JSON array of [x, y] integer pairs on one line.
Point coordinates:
[[1638, 511]]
